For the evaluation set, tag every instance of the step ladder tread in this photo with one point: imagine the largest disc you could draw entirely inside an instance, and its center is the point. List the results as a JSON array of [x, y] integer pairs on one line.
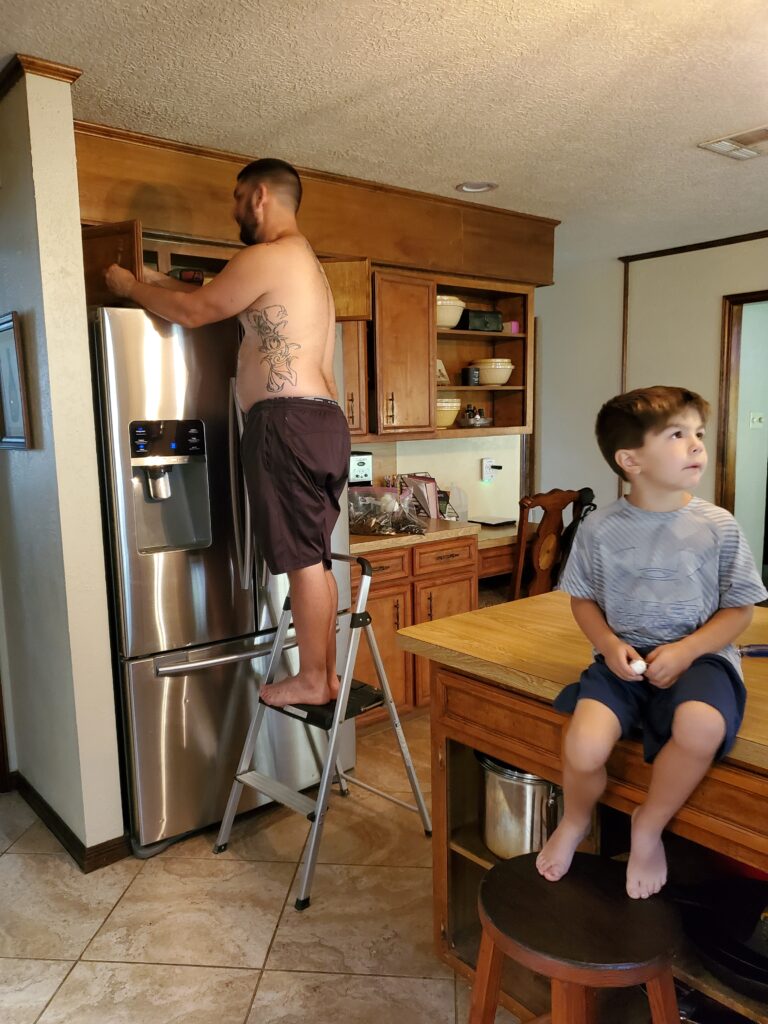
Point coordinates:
[[362, 697], [278, 791]]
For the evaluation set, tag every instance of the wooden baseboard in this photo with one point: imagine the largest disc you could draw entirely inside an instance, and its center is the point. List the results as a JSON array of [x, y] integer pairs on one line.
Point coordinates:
[[87, 858]]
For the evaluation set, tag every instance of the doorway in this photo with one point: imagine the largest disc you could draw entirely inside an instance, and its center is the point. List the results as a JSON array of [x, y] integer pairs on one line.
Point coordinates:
[[742, 470]]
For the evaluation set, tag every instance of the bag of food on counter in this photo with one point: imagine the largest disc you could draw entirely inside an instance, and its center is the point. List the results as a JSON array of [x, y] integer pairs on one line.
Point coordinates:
[[381, 510]]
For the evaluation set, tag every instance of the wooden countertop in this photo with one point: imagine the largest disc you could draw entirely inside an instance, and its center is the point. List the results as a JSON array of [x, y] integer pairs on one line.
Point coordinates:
[[535, 648], [437, 529]]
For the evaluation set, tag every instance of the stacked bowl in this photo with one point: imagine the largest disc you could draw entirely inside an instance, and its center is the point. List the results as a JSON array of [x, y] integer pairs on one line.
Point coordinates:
[[449, 310], [447, 411], [494, 371]]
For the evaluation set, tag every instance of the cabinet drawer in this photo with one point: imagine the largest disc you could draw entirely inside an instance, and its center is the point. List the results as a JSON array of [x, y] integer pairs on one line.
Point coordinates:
[[496, 560], [444, 557], [386, 565]]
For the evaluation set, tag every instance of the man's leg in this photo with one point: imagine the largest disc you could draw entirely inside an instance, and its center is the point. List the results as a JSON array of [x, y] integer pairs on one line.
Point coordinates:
[[314, 614], [330, 655], [592, 735], [697, 732]]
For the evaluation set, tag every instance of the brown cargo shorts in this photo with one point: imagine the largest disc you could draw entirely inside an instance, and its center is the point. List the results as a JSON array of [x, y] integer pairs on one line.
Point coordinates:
[[295, 454]]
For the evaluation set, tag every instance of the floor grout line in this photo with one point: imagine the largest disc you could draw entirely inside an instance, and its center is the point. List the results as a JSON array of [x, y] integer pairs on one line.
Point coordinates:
[[58, 989]]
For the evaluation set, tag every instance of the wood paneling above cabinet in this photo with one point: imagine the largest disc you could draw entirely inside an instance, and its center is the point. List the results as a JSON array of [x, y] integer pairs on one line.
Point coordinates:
[[187, 191]]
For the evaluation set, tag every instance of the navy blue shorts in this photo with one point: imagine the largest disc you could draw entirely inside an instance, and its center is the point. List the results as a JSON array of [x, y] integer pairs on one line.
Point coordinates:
[[640, 706]]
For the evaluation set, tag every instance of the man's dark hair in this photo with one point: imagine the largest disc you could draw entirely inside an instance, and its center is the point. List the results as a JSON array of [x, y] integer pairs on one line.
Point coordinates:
[[626, 419], [278, 174]]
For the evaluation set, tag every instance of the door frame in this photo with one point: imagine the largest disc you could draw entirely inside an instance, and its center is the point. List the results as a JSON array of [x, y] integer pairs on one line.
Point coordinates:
[[727, 426]]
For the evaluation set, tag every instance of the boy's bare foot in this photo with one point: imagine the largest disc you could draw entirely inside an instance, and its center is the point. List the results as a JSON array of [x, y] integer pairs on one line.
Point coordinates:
[[556, 856], [647, 866], [296, 690]]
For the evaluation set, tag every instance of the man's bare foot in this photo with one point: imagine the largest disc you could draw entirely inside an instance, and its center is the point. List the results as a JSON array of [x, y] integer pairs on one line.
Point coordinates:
[[647, 866], [295, 690], [555, 858]]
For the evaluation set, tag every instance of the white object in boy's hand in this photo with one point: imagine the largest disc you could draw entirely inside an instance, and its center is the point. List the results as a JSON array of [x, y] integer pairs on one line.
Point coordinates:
[[638, 666]]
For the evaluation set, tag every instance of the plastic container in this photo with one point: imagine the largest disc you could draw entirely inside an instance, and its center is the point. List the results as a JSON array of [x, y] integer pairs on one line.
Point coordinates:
[[520, 810]]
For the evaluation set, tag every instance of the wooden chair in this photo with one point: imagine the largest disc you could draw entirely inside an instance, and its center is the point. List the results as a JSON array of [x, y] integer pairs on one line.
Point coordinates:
[[583, 933], [538, 559]]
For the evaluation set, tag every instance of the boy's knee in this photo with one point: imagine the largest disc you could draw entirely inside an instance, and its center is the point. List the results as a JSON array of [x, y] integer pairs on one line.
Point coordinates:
[[698, 728], [585, 749]]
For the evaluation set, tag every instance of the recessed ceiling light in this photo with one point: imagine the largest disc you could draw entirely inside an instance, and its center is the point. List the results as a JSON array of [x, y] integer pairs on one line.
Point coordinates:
[[476, 186]]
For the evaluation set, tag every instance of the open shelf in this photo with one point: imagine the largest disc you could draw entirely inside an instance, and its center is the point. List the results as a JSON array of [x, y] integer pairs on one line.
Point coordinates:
[[480, 387], [446, 332]]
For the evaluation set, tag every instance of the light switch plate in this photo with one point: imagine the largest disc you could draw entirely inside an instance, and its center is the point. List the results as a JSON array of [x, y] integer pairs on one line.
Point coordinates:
[[756, 420]]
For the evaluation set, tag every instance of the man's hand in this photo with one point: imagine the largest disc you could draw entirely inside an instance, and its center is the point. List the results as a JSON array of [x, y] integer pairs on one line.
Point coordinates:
[[618, 657], [667, 663], [120, 281]]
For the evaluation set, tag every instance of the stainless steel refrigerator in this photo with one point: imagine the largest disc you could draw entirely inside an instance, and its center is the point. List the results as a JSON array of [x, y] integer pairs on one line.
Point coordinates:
[[192, 602]]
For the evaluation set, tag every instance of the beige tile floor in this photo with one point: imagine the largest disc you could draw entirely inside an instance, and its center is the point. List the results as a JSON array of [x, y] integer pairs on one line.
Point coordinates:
[[193, 938]]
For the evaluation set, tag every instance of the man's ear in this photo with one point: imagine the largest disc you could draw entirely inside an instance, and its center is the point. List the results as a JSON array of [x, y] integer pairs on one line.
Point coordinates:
[[258, 196], [626, 459]]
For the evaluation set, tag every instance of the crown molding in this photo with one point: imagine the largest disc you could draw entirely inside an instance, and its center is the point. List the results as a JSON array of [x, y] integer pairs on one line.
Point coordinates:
[[23, 64]]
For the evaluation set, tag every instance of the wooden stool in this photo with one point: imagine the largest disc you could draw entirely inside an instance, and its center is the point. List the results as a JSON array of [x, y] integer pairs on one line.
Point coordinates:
[[582, 932]]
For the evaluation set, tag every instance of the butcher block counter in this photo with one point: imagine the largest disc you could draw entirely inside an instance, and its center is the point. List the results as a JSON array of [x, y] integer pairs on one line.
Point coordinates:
[[494, 673]]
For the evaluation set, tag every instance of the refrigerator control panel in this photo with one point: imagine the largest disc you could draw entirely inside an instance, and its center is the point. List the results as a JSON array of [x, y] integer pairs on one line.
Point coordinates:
[[168, 438]]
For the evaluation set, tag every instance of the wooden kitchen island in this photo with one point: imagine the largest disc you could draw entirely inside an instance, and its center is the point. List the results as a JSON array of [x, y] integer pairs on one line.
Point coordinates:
[[494, 675]]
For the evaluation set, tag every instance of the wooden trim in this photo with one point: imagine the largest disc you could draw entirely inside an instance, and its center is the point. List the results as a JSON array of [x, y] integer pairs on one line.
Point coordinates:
[[87, 858], [139, 138], [728, 401], [625, 330], [22, 64], [712, 244], [6, 776]]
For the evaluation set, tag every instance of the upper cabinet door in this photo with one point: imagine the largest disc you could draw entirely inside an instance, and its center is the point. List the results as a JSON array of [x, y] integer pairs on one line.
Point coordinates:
[[350, 281], [405, 352], [355, 399], [104, 245]]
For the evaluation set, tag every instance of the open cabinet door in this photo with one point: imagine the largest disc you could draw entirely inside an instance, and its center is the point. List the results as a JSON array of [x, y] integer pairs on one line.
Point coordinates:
[[350, 281], [103, 245]]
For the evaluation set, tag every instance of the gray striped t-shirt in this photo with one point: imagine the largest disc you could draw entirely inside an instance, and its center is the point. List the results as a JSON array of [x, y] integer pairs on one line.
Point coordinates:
[[658, 576]]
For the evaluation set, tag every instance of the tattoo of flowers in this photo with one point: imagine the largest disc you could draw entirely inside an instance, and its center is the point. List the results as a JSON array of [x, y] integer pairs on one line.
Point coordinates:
[[270, 324]]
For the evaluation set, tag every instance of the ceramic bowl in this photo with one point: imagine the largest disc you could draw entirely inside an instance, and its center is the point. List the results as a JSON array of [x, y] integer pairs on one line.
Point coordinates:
[[449, 310], [498, 374], [447, 411]]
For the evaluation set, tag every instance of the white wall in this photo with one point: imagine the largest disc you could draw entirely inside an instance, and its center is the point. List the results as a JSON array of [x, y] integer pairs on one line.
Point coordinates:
[[456, 460], [675, 321], [752, 443], [55, 626], [578, 368]]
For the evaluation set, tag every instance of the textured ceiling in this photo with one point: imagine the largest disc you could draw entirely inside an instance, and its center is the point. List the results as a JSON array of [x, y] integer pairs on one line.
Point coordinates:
[[584, 110]]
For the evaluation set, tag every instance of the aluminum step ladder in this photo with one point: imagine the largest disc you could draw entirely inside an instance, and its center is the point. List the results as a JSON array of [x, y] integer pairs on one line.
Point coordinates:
[[353, 699]]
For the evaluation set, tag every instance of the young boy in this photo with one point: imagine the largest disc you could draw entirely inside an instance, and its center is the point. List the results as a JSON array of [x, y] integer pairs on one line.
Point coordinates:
[[666, 581]]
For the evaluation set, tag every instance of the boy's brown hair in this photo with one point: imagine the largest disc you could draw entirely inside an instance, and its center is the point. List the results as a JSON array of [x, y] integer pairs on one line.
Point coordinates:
[[624, 421]]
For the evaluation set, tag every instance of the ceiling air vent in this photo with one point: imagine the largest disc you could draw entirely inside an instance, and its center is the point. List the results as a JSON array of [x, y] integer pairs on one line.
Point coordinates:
[[742, 146]]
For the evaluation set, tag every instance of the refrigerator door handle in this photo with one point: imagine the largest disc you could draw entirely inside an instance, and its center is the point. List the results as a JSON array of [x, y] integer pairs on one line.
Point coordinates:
[[243, 537], [182, 667]]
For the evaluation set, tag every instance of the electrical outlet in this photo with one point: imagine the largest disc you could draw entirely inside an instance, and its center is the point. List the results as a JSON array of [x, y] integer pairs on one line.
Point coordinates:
[[486, 470], [756, 421]]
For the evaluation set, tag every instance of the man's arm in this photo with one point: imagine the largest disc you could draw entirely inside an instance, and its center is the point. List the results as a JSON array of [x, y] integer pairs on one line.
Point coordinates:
[[238, 285], [173, 284]]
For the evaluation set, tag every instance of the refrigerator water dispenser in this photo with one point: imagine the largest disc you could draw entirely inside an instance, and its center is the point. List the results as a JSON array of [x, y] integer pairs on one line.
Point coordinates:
[[170, 485]]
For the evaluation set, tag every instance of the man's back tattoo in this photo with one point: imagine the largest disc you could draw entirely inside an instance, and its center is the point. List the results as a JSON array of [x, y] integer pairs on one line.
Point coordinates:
[[270, 324]]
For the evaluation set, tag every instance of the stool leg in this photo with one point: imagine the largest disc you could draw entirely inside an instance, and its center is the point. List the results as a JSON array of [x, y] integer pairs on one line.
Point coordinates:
[[485, 991], [572, 1004], [663, 999]]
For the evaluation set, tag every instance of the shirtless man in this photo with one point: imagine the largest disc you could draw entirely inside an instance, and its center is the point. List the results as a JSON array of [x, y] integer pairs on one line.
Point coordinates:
[[296, 444]]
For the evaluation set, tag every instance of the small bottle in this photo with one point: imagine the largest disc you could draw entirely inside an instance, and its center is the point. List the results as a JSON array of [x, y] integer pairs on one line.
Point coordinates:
[[481, 414]]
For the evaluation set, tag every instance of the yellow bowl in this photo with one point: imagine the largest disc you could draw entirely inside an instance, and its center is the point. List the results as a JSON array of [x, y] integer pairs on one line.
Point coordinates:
[[495, 374], [445, 417]]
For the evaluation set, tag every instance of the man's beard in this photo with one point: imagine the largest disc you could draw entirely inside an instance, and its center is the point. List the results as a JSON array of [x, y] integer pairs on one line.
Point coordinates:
[[249, 232]]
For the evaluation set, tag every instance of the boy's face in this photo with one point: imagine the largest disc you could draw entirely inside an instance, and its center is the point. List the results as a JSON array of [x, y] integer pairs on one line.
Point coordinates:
[[673, 459]]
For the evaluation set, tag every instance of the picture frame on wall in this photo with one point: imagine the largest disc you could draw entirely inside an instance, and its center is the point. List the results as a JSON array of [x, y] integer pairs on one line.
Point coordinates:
[[14, 418]]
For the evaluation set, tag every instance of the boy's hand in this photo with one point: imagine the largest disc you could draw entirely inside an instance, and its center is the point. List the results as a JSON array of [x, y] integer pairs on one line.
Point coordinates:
[[667, 663], [618, 656]]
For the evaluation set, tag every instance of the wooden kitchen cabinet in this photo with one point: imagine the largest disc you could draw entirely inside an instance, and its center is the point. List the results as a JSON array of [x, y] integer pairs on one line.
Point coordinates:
[[390, 610], [437, 600], [126, 244], [354, 398], [411, 585], [404, 353]]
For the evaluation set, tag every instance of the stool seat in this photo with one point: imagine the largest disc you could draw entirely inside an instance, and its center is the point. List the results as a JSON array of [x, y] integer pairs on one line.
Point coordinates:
[[583, 933], [585, 921]]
